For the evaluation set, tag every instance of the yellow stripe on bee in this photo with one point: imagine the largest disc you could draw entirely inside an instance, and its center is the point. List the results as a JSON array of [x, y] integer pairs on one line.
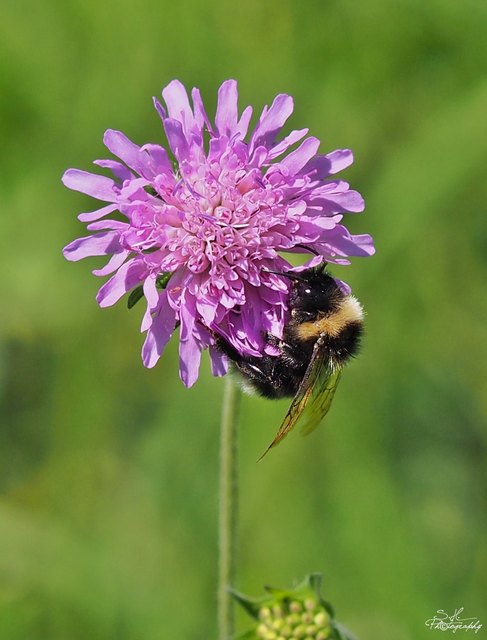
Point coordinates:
[[349, 311]]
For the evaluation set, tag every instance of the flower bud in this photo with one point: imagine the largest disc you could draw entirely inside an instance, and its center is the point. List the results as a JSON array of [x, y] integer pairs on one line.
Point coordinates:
[[307, 617], [295, 607], [321, 619], [277, 611], [310, 604], [264, 613], [293, 619], [278, 624]]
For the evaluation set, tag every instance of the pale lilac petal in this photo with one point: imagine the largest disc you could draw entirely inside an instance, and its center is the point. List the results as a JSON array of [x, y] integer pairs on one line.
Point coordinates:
[[340, 242], [219, 362], [189, 351], [157, 160], [151, 293], [98, 187], [348, 202], [346, 289], [101, 225], [315, 261], [115, 262], [99, 244], [118, 169], [178, 106], [288, 141], [160, 109], [297, 159], [99, 213], [122, 147], [159, 333], [323, 166], [200, 116], [243, 124], [272, 121], [226, 111], [176, 138], [127, 277], [207, 310]]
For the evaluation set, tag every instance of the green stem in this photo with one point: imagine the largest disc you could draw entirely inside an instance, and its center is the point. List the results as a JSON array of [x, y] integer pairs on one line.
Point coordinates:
[[228, 508]]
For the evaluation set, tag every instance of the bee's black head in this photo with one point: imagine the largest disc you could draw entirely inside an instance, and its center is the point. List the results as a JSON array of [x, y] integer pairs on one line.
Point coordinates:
[[314, 293]]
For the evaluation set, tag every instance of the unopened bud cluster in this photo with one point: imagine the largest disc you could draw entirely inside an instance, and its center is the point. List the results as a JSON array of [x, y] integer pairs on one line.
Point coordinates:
[[305, 620]]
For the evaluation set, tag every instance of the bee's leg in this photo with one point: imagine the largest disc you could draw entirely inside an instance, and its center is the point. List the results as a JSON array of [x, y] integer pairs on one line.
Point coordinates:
[[260, 372], [273, 340]]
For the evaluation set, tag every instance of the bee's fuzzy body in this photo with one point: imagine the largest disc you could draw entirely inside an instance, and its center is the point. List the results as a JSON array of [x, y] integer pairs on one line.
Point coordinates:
[[318, 310]]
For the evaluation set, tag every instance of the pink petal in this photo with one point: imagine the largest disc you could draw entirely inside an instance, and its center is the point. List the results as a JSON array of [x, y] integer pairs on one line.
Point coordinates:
[[272, 121], [118, 169], [341, 242], [160, 109], [323, 166], [200, 117], [243, 124], [100, 225], [99, 213], [113, 264], [189, 350], [286, 142], [157, 161], [159, 333], [346, 289], [99, 244], [226, 111], [127, 277], [176, 138], [219, 362], [151, 293], [98, 187], [122, 147], [350, 201], [178, 106], [298, 158]]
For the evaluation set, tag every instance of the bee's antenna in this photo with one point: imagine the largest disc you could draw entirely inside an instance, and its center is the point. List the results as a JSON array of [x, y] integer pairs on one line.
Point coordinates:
[[293, 276], [310, 249]]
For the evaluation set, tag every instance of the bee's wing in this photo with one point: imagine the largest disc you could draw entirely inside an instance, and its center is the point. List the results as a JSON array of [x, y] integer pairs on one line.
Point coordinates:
[[313, 398], [321, 399]]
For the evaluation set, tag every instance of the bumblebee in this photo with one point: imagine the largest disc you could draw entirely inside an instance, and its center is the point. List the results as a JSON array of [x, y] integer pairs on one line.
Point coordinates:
[[323, 332]]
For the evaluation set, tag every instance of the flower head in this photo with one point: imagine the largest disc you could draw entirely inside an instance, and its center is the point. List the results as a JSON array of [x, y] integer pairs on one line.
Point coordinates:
[[199, 234], [299, 613]]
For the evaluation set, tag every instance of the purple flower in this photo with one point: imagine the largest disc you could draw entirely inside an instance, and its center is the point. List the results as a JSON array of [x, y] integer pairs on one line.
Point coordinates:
[[215, 219]]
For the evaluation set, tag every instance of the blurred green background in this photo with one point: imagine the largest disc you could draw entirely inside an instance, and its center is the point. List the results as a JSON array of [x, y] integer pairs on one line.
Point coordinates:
[[108, 472]]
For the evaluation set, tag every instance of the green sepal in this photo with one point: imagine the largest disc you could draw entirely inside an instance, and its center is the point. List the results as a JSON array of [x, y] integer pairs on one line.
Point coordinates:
[[135, 295], [280, 594], [315, 581], [251, 605], [163, 279], [248, 635], [341, 633]]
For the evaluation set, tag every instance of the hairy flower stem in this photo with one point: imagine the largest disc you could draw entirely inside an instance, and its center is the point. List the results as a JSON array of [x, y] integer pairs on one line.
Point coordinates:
[[228, 508]]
